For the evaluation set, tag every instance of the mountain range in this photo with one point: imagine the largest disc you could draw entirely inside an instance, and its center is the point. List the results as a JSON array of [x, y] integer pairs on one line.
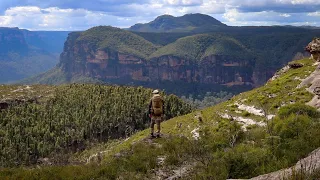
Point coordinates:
[[166, 53]]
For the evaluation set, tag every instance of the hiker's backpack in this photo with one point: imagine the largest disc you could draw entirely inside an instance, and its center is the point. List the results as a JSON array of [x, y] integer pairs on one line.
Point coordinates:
[[157, 105]]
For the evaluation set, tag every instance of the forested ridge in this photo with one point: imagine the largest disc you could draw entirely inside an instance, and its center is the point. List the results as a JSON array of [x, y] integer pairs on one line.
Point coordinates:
[[73, 117]]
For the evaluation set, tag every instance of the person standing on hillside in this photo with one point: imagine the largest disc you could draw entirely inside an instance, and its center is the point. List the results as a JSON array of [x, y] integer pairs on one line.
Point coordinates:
[[156, 112]]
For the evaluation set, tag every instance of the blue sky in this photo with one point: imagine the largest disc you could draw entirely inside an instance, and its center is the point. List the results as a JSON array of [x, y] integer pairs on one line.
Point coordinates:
[[83, 14]]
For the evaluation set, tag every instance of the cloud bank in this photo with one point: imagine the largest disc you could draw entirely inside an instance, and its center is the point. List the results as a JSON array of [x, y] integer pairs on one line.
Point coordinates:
[[83, 14]]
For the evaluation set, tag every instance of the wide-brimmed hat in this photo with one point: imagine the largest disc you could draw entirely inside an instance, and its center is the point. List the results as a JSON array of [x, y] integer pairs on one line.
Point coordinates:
[[156, 91]]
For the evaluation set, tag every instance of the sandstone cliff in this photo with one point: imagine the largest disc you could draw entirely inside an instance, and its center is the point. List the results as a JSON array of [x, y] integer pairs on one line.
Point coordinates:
[[107, 65], [83, 58]]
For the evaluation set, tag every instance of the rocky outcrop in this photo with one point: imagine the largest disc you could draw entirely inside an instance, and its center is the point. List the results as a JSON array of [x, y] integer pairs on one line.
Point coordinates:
[[312, 83], [306, 165], [83, 59], [314, 49]]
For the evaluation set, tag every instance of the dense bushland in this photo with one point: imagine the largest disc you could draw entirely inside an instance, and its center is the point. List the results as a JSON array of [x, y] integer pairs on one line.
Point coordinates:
[[74, 117]]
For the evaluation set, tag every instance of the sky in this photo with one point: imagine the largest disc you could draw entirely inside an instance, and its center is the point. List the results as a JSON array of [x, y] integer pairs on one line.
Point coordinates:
[[74, 15]]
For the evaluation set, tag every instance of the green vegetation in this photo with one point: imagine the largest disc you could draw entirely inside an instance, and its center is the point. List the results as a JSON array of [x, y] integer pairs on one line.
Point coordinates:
[[207, 100], [72, 118], [106, 37], [224, 149], [16, 66], [186, 23], [304, 174], [58, 76], [253, 52], [198, 47], [281, 91], [213, 156]]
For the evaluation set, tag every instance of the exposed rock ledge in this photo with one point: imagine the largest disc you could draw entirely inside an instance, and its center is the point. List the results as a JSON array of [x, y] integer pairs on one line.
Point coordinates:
[[314, 49], [313, 81], [308, 164]]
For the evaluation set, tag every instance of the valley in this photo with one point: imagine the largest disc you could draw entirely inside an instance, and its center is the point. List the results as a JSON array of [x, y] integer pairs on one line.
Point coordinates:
[[240, 102], [27, 53]]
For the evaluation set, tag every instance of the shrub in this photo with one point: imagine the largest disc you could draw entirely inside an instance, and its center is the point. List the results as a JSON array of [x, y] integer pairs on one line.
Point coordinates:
[[246, 161], [298, 109]]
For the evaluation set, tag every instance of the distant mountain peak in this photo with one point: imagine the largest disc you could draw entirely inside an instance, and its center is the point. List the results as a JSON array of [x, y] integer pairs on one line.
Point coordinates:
[[185, 23], [164, 16]]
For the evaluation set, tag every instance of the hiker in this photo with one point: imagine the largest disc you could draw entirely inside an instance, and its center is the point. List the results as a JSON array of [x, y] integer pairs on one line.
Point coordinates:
[[156, 112]]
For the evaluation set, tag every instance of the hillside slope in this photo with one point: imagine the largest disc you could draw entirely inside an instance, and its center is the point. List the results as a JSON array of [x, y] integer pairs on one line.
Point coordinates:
[[107, 37], [199, 47], [186, 23], [256, 132]]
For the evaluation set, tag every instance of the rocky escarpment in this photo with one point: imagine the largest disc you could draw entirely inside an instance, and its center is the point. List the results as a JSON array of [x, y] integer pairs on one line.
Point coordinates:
[[108, 65], [81, 58], [209, 60]]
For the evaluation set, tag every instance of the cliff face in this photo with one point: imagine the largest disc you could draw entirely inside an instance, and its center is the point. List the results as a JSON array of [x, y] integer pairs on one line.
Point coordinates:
[[49, 41], [83, 59], [12, 40]]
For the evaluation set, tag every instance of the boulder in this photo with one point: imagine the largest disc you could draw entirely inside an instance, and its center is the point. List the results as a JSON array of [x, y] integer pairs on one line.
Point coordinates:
[[295, 65], [314, 49]]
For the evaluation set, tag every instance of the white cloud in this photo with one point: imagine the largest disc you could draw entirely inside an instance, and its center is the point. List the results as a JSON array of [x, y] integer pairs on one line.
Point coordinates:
[[5, 20], [212, 7], [183, 2], [35, 18], [266, 18], [231, 15], [285, 15], [300, 1], [314, 14], [127, 13]]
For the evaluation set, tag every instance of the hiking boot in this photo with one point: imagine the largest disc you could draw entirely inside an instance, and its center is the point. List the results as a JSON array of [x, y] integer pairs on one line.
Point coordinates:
[[153, 136], [158, 135]]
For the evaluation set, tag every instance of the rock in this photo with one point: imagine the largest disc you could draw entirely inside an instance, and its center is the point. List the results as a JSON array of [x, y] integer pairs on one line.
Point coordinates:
[[198, 117], [44, 161], [310, 163], [118, 155], [4, 105], [295, 65], [279, 73], [314, 48], [161, 160], [312, 83], [179, 125]]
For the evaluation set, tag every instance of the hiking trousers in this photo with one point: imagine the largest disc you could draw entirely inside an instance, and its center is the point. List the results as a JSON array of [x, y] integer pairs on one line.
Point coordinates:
[[155, 120]]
